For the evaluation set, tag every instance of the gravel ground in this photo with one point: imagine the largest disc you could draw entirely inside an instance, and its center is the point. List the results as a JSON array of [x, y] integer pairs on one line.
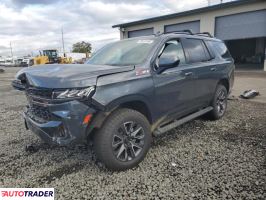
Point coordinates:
[[202, 159]]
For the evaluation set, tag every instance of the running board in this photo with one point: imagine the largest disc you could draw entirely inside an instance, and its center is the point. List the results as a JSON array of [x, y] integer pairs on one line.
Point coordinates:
[[181, 121]]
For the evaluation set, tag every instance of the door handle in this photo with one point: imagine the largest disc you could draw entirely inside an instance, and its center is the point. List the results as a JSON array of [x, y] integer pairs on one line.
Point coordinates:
[[213, 69], [188, 73]]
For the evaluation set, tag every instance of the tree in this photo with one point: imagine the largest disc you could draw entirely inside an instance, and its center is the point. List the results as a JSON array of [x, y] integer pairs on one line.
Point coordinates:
[[82, 47]]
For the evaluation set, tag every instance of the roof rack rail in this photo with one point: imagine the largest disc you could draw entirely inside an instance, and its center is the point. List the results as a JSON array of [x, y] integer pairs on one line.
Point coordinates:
[[187, 31], [204, 34]]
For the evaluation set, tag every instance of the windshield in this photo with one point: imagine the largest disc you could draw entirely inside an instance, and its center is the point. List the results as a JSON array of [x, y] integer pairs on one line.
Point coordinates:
[[125, 52]]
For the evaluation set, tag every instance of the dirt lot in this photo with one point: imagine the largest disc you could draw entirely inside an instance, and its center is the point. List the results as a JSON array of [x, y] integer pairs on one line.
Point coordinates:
[[201, 160], [246, 80]]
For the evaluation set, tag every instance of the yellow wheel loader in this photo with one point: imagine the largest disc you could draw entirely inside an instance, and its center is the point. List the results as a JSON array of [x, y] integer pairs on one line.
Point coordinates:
[[65, 60], [46, 57], [50, 56]]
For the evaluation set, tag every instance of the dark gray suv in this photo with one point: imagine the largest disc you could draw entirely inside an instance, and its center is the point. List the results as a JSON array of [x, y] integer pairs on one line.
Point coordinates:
[[127, 92]]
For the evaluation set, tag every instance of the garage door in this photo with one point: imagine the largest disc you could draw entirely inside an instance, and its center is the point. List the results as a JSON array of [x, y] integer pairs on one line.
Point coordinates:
[[194, 26], [243, 25], [142, 32]]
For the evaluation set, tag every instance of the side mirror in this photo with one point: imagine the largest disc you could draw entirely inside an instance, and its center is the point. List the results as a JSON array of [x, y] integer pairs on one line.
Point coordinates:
[[167, 62]]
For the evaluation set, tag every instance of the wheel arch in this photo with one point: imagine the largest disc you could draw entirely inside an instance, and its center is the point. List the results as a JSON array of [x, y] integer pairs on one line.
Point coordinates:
[[139, 106], [135, 103], [225, 83]]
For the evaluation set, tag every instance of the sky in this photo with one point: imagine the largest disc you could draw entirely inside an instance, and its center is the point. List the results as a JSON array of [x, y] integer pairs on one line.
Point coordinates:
[[32, 25]]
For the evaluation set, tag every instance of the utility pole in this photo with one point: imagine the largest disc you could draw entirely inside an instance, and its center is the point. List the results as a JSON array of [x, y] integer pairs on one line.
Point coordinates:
[[11, 51], [63, 42]]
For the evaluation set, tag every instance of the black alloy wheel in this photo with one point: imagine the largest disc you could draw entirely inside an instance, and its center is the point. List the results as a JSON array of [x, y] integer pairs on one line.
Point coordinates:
[[124, 139], [221, 102], [128, 141]]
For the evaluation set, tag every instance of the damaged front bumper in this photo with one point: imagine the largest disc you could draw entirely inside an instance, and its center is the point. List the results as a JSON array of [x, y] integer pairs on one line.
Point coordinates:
[[60, 124]]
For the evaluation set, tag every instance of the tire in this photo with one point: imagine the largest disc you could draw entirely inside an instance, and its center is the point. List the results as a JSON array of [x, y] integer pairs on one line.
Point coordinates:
[[219, 103], [124, 140]]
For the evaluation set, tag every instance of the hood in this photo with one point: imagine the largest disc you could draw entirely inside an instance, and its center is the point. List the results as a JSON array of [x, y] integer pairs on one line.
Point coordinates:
[[68, 75]]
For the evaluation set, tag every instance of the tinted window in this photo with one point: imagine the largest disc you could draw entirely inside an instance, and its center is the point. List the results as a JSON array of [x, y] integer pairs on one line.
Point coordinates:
[[219, 47], [195, 50], [210, 48], [172, 48]]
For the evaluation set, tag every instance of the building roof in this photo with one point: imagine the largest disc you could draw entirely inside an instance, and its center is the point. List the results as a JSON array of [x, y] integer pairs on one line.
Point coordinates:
[[189, 12]]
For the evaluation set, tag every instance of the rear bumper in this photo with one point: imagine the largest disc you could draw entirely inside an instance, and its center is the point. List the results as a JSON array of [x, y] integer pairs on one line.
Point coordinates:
[[65, 126]]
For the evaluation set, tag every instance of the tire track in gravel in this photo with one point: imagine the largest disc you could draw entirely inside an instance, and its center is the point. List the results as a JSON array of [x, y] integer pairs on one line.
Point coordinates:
[[61, 171]]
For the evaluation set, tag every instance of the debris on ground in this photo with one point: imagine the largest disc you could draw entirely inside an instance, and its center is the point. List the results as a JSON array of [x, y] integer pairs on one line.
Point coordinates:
[[173, 164], [232, 97], [31, 148], [2, 70], [249, 94]]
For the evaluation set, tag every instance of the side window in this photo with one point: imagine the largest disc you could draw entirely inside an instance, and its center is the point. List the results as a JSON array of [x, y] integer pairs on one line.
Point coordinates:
[[171, 48], [210, 47], [220, 47], [222, 50], [195, 50]]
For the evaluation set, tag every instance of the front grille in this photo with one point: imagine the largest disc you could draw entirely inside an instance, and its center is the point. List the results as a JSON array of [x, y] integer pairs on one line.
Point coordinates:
[[38, 101], [43, 93], [39, 113], [17, 84]]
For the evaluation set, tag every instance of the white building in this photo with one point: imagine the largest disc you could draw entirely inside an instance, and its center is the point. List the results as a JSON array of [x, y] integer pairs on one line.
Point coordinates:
[[241, 24]]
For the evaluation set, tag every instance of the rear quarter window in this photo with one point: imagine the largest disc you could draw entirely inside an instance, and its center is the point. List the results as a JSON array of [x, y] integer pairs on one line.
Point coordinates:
[[219, 47], [195, 50]]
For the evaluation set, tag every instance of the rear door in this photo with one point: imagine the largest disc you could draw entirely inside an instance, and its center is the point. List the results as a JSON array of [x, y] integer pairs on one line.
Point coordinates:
[[199, 58], [174, 87], [222, 62]]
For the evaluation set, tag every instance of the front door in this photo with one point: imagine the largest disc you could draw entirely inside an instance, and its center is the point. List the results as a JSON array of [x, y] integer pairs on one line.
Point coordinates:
[[174, 87]]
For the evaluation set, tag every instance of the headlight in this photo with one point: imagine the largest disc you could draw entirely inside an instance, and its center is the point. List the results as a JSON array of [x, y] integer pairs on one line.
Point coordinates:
[[74, 93]]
